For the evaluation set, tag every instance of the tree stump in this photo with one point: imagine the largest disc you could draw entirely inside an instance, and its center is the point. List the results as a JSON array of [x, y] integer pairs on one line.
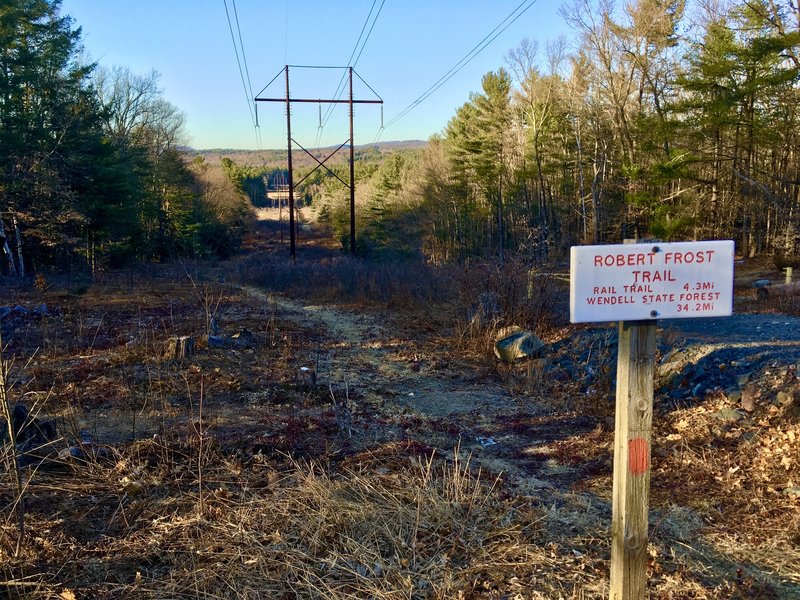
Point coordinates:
[[179, 348]]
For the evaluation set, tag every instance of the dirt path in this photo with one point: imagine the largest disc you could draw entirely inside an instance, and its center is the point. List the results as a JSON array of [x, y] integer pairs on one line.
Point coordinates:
[[399, 379], [363, 353]]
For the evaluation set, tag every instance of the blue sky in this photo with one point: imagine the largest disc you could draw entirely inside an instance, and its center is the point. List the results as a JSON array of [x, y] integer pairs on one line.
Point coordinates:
[[413, 43]]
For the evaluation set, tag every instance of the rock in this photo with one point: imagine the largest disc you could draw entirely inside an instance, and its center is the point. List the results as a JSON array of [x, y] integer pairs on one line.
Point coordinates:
[[743, 379], [35, 437], [748, 397], [728, 415], [84, 453], [71, 455], [789, 289], [35, 452], [673, 379], [244, 338], [28, 428], [699, 373], [219, 342], [670, 357], [19, 414], [515, 343], [793, 491], [569, 368], [734, 396], [677, 394], [669, 368], [241, 339]]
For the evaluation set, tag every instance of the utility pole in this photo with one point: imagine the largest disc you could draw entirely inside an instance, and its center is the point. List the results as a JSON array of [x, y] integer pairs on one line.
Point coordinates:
[[352, 173], [351, 101], [291, 187], [280, 207]]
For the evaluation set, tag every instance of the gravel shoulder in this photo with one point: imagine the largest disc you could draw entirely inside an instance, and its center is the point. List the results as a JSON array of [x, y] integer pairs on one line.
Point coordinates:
[[738, 328]]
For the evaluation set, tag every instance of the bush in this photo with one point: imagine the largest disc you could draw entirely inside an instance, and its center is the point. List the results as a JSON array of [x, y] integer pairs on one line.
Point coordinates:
[[783, 260]]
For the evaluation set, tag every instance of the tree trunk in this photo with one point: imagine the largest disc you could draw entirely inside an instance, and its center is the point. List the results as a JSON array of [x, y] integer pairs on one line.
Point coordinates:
[[581, 186], [12, 267], [500, 221], [18, 234]]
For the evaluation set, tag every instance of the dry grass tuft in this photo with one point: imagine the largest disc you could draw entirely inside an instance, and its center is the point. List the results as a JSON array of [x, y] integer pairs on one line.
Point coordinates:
[[424, 528]]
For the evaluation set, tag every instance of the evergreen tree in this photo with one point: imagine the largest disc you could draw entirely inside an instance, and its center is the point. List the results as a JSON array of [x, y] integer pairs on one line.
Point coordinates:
[[46, 115]]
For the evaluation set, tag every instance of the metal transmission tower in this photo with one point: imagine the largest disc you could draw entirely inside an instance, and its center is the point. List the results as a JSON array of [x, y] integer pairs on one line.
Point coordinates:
[[320, 163]]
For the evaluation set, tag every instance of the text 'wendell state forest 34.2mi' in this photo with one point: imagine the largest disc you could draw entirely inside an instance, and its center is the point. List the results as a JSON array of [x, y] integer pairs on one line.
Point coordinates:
[[630, 282]]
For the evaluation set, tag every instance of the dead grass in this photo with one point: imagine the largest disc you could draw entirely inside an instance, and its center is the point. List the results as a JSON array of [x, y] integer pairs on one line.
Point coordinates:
[[393, 283], [402, 526], [261, 494]]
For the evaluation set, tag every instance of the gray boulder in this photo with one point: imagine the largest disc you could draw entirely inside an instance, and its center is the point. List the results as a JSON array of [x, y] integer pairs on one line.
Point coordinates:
[[513, 343], [35, 437]]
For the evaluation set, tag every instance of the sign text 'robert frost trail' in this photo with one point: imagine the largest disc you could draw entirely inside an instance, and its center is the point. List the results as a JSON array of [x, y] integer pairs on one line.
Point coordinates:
[[630, 282]]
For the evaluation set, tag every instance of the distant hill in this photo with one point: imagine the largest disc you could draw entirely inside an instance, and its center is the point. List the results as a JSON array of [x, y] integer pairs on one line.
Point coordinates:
[[278, 156], [399, 145]]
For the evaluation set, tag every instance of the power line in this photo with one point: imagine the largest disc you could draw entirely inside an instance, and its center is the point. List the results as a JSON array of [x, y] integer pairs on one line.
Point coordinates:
[[245, 79], [363, 44], [259, 144], [241, 45], [238, 61], [369, 33], [361, 34], [340, 87], [465, 60], [337, 93]]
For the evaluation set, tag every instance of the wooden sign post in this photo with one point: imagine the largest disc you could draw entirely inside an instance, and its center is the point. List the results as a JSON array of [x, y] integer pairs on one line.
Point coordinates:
[[637, 284], [632, 436]]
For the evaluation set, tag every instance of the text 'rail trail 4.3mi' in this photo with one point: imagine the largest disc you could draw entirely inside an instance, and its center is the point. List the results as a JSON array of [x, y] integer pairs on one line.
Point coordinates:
[[630, 282]]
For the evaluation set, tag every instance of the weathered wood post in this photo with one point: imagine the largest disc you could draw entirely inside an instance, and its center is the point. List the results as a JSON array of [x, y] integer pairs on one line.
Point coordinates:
[[632, 437]]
